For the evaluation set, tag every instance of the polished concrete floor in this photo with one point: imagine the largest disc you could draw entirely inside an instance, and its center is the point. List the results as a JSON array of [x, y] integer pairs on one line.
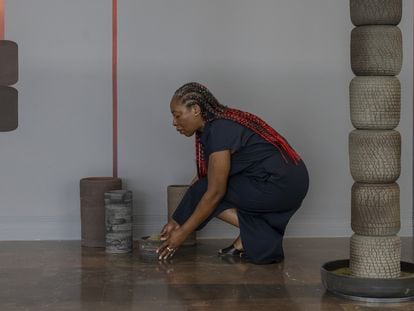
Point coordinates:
[[61, 275]]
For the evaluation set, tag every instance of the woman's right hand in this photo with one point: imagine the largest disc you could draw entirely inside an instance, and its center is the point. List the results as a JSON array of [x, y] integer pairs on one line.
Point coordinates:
[[167, 229]]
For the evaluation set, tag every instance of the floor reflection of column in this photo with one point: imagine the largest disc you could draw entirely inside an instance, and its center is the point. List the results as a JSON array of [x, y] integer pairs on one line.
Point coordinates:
[[106, 279], [153, 287]]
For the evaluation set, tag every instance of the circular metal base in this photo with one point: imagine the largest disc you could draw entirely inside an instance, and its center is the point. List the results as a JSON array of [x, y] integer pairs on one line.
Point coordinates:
[[368, 289], [373, 300]]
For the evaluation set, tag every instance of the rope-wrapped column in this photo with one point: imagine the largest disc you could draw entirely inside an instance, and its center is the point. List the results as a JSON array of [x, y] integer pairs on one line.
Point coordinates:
[[374, 146]]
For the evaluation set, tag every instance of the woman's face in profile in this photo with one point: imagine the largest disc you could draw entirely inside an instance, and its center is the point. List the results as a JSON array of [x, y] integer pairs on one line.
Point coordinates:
[[186, 120]]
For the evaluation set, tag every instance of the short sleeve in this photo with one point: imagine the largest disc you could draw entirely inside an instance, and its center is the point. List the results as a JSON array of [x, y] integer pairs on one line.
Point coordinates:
[[225, 135]]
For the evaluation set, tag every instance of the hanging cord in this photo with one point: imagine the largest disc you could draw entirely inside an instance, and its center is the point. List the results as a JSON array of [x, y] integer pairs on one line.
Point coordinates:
[[1, 19], [114, 89]]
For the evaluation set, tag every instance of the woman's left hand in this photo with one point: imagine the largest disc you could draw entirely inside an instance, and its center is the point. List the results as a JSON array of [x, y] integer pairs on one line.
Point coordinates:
[[170, 246]]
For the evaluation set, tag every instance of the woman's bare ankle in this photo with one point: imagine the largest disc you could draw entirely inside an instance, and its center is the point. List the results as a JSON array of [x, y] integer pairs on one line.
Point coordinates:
[[238, 243]]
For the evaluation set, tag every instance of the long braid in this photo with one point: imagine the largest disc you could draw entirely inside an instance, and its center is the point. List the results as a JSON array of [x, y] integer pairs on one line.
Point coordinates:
[[194, 93]]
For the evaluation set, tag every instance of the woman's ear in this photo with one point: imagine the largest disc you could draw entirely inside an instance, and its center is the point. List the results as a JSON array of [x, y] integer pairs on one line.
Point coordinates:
[[196, 109]]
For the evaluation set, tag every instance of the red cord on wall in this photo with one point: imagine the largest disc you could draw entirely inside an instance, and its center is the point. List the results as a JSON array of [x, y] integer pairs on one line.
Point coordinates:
[[1, 19], [114, 90]]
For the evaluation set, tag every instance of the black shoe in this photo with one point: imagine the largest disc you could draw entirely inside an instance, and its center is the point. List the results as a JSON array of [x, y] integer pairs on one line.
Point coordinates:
[[232, 260], [231, 251]]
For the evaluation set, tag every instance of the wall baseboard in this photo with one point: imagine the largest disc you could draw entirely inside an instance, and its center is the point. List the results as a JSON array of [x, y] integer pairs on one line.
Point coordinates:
[[69, 228]]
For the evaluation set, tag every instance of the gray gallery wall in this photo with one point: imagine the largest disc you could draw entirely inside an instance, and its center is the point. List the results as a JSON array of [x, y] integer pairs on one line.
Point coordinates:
[[287, 61]]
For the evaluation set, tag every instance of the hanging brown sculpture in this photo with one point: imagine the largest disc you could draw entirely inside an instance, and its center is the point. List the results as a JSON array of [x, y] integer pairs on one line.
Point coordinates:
[[8, 76]]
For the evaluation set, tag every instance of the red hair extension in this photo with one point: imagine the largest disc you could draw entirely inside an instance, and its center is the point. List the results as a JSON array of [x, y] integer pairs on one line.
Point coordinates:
[[255, 124]]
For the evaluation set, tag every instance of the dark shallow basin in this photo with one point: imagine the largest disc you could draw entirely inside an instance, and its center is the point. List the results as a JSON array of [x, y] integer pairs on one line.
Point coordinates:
[[147, 248], [368, 289]]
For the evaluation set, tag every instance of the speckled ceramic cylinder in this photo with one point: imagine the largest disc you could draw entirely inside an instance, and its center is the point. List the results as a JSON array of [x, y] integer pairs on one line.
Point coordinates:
[[92, 191], [118, 219], [175, 194], [375, 147]]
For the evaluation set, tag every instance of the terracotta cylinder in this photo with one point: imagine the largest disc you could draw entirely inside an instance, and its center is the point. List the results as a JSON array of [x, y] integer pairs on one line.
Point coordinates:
[[175, 193], [118, 220], [92, 206]]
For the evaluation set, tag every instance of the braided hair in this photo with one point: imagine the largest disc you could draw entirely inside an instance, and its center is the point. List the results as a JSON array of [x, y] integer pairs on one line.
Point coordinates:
[[194, 93]]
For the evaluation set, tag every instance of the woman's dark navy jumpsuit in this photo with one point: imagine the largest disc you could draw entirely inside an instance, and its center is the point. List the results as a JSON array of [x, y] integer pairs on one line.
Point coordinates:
[[265, 189]]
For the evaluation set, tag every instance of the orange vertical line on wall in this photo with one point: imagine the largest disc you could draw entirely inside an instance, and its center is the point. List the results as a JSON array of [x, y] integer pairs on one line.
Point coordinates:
[[114, 89], [1, 19]]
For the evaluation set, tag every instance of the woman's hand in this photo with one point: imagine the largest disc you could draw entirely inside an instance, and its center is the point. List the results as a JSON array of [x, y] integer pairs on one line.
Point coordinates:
[[170, 246], [167, 229], [218, 168]]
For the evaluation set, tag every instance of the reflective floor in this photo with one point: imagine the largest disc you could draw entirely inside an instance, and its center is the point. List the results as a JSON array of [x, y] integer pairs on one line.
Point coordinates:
[[53, 275]]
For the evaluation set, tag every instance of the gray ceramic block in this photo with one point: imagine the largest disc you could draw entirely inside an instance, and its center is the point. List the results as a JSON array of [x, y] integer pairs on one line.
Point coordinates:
[[8, 109], [375, 257], [376, 50], [375, 209], [375, 102], [9, 73], [118, 219], [375, 156], [376, 12]]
